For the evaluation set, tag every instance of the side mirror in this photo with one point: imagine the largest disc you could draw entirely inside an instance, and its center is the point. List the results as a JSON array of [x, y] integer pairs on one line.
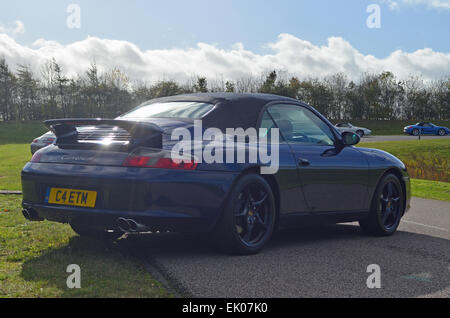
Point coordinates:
[[350, 139]]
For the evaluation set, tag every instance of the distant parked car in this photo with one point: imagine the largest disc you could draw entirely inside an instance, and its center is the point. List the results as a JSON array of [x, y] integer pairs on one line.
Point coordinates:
[[426, 129], [43, 141], [343, 127]]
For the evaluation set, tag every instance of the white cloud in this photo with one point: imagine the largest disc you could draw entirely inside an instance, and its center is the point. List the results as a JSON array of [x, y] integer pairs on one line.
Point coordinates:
[[289, 53], [431, 4], [19, 28]]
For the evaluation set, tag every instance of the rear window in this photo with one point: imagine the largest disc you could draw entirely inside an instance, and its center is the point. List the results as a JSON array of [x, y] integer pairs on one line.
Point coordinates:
[[189, 110]]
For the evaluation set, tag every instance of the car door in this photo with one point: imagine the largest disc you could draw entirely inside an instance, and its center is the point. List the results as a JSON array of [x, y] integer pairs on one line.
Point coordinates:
[[292, 199], [427, 129], [334, 178]]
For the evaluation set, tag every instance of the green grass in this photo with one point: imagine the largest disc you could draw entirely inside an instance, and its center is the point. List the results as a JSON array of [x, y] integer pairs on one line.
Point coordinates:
[[428, 163], [34, 257], [430, 189], [20, 132], [12, 158], [404, 148], [425, 159], [389, 127], [15, 139]]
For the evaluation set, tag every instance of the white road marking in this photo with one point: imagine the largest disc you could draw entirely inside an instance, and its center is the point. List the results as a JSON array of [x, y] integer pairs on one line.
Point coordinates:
[[426, 225]]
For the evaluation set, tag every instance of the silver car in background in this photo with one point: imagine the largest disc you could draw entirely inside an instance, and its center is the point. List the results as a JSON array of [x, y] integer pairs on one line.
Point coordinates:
[[361, 131], [46, 139]]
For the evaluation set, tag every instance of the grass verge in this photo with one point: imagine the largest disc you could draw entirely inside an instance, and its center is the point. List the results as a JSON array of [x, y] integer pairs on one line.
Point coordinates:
[[12, 158], [20, 132], [34, 257], [425, 159], [430, 189]]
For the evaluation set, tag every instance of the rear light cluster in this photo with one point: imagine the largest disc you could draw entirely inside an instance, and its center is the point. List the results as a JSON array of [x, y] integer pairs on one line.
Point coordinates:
[[49, 141], [162, 163]]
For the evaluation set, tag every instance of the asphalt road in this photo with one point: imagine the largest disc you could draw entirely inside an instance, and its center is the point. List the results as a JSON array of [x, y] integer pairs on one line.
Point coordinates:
[[328, 261], [400, 138]]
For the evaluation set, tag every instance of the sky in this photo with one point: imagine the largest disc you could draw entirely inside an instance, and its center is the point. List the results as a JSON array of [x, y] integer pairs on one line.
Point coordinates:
[[151, 40]]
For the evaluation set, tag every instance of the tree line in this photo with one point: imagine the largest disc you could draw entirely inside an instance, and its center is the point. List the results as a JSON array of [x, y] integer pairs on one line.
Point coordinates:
[[26, 96]]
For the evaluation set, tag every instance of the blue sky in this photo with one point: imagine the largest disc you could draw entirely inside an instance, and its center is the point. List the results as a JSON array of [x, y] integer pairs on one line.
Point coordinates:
[[167, 24], [406, 25]]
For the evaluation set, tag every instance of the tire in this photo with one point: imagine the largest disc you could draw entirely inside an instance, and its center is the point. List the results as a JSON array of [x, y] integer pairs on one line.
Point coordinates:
[[387, 208], [360, 133], [441, 132], [85, 231], [246, 216], [415, 132]]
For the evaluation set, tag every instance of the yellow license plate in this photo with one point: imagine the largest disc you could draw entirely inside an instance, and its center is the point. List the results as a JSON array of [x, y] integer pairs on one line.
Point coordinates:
[[71, 197]]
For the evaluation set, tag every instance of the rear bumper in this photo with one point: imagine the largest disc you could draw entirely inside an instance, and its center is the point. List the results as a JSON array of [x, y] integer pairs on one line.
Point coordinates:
[[107, 219], [158, 198]]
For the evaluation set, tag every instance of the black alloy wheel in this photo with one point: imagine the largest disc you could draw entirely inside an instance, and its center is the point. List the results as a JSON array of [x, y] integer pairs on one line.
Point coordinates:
[[387, 208], [252, 216], [248, 220], [389, 205]]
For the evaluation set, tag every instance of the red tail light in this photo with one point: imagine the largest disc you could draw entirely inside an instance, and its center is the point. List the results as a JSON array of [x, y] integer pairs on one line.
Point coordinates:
[[136, 161], [163, 163]]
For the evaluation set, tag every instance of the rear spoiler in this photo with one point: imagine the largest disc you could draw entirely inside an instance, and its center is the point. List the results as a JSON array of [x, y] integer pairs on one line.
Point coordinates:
[[142, 133]]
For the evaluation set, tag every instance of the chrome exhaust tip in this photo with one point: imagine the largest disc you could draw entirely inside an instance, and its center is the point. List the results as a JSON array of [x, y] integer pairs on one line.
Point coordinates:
[[136, 227], [123, 224], [31, 215], [128, 225], [26, 214]]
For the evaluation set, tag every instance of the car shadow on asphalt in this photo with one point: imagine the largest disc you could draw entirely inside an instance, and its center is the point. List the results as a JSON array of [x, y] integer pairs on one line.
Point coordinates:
[[405, 251], [202, 244]]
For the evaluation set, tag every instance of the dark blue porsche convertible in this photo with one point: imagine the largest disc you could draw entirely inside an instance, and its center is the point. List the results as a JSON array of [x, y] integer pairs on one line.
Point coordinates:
[[109, 176]]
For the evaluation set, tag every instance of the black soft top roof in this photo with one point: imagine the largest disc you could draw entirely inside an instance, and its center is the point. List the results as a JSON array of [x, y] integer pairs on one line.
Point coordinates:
[[232, 110]]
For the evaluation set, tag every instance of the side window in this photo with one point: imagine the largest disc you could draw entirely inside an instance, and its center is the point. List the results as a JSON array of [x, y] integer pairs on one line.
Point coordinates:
[[267, 122], [301, 126]]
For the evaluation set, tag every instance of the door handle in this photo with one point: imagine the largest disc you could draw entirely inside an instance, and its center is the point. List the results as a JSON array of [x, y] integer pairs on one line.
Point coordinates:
[[303, 162]]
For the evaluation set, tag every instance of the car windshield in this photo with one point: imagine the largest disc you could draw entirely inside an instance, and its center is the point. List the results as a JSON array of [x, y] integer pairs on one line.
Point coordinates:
[[188, 110]]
